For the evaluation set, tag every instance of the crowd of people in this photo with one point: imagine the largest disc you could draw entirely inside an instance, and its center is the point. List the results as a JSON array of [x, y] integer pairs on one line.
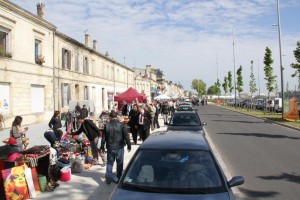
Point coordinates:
[[113, 137]]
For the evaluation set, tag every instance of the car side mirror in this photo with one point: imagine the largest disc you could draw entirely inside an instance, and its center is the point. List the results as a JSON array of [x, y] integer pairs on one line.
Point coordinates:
[[204, 123], [236, 181]]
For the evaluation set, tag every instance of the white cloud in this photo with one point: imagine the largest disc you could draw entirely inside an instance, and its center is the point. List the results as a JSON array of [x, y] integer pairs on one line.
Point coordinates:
[[182, 37]]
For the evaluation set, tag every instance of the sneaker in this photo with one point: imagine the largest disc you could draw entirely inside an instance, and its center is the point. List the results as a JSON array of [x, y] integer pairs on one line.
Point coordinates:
[[95, 162], [103, 164]]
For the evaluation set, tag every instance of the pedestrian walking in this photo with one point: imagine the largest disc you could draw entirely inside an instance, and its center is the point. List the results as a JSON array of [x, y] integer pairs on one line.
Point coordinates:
[[133, 122], [84, 112], [165, 111], [93, 133], [144, 123], [157, 111], [115, 138]]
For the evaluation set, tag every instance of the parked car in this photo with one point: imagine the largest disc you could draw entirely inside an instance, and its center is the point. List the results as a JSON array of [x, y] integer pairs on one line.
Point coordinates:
[[186, 121], [184, 167]]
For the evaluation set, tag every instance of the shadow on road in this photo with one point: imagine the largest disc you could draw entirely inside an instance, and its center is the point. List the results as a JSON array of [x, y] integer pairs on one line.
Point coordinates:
[[254, 194], [284, 176], [262, 135]]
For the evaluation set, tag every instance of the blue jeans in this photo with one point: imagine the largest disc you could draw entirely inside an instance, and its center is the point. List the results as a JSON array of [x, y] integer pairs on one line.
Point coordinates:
[[51, 137], [113, 155]]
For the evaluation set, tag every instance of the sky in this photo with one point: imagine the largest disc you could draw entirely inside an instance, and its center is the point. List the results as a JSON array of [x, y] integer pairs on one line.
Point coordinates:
[[186, 39]]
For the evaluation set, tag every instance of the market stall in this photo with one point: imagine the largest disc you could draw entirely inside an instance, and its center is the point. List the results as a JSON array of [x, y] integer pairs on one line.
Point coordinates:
[[129, 96]]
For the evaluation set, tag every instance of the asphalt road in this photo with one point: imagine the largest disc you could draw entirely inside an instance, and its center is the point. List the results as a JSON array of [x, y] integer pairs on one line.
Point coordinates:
[[266, 154]]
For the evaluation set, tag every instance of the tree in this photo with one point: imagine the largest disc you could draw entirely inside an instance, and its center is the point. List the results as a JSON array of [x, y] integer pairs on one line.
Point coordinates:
[[296, 65], [269, 77], [218, 86], [225, 85], [212, 90], [229, 78], [252, 80], [239, 83], [199, 86]]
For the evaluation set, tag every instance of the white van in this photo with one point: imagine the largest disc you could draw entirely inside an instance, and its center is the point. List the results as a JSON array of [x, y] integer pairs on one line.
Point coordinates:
[[278, 105]]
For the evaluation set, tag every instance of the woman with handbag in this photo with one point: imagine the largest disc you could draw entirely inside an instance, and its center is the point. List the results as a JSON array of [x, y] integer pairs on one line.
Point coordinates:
[[17, 132]]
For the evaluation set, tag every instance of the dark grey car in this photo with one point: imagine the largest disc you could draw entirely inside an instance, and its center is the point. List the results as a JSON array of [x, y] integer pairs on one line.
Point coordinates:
[[186, 121], [174, 165]]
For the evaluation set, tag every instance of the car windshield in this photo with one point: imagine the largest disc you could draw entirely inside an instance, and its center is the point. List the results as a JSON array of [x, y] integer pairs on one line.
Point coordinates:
[[186, 119], [173, 171]]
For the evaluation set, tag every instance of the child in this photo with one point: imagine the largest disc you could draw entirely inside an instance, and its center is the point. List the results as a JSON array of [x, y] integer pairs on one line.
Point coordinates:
[[53, 171]]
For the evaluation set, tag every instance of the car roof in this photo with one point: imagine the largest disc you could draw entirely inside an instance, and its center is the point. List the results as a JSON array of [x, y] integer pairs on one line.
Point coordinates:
[[186, 140], [186, 112]]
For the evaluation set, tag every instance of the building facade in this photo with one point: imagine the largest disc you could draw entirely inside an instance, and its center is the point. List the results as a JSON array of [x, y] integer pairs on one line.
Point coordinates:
[[26, 64], [42, 69]]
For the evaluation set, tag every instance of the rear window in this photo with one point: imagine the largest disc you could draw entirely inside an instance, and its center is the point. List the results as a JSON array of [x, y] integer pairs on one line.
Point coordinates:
[[186, 119], [173, 171]]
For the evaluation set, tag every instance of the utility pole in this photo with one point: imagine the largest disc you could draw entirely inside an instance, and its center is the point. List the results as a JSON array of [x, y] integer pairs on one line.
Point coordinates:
[[234, 69], [258, 79], [280, 54]]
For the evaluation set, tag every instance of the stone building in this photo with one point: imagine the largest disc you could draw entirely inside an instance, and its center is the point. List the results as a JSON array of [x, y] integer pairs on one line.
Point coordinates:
[[41, 69], [83, 73], [26, 65]]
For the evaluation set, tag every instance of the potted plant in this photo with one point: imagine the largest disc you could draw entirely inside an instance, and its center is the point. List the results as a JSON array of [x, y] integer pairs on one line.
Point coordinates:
[[40, 59]]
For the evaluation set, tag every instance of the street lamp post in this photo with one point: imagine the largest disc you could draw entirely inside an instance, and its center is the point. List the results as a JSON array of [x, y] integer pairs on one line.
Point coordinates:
[[234, 69], [280, 58]]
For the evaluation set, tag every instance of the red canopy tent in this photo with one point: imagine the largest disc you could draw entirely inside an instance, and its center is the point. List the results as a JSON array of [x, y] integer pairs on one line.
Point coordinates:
[[129, 96]]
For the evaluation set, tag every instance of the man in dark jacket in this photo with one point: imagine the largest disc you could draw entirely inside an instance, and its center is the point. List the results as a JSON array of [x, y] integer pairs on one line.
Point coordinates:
[[144, 123], [92, 132], [133, 122], [115, 137]]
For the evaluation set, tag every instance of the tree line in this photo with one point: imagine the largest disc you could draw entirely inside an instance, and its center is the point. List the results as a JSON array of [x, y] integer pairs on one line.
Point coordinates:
[[228, 84]]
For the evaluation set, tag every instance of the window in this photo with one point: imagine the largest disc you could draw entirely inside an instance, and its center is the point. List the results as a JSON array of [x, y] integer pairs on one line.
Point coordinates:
[[93, 67], [37, 98], [66, 94], [112, 74], [117, 75], [37, 50], [66, 59], [93, 94], [85, 65], [4, 42], [76, 62], [107, 72], [86, 93], [103, 70], [4, 98]]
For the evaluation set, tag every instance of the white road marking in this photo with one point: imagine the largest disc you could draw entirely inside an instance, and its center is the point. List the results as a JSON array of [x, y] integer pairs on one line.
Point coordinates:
[[225, 169]]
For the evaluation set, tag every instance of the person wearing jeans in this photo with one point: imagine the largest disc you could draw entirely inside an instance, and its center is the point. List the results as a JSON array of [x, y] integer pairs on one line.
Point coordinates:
[[115, 137]]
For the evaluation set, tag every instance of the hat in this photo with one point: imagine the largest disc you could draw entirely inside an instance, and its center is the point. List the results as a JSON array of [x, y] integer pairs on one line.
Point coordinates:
[[12, 141]]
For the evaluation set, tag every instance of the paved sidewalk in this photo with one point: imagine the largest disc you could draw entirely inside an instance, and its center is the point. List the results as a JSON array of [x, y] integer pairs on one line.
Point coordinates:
[[88, 185]]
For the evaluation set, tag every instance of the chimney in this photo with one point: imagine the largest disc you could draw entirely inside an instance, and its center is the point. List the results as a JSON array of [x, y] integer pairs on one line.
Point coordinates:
[[87, 40], [95, 45], [40, 10]]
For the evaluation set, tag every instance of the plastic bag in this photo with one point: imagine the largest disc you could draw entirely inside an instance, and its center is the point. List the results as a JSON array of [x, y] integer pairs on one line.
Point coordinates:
[[77, 166]]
